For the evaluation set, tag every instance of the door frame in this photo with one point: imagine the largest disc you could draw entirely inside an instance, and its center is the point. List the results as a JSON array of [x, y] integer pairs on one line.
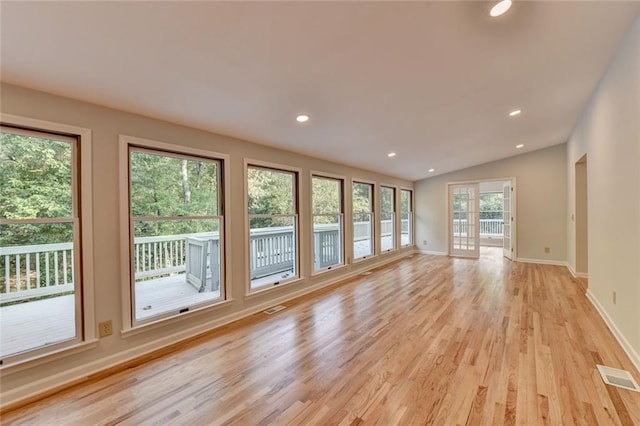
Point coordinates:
[[514, 210]]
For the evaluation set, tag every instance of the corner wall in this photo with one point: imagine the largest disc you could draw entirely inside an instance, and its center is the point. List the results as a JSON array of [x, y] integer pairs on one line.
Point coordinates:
[[609, 133], [541, 191]]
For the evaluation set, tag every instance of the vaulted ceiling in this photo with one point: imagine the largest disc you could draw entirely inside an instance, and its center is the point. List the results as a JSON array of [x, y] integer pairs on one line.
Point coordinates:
[[432, 81]]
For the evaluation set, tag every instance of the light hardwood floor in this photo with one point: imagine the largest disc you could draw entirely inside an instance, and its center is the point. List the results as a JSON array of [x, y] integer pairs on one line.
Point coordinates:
[[425, 340]]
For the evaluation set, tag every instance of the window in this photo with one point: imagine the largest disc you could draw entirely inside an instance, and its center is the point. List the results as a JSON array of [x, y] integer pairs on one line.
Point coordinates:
[[387, 218], [406, 217], [326, 194], [362, 220], [273, 226], [176, 232], [41, 275]]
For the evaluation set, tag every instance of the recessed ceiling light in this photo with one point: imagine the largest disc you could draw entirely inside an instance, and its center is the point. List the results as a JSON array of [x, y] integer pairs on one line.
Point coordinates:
[[515, 112], [500, 8], [302, 118], [391, 154], [519, 146], [432, 170]]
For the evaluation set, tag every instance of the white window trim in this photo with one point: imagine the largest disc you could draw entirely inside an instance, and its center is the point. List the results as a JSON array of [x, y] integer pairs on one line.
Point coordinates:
[[343, 180], [301, 267], [88, 338], [128, 326], [412, 218], [374, 210]]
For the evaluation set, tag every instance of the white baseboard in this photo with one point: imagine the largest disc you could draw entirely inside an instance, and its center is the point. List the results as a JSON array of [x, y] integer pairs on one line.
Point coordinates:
[[541, 261], [628, 349], [433, 253], [72, 375], [576, 274]]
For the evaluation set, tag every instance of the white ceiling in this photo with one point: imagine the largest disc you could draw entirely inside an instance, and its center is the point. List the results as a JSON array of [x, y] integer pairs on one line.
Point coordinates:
[[432, 81]]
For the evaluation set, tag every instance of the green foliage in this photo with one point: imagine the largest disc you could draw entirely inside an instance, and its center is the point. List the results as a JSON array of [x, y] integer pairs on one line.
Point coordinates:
[[164, 186], [157, 186], [405, 202], [491, 205], [35, 182], [270, 192], [387, 200], [326, 195], [362, 198]]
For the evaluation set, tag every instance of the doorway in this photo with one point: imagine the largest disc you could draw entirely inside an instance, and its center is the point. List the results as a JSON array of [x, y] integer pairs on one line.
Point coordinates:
[[481, 218], [581, 218]]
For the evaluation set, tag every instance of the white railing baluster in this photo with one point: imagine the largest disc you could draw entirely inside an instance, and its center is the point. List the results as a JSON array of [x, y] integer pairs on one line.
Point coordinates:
[[56, 272], [73, 268], [37, 269], [46, 269], [7, 274], [18, 285], [64, 266], [27, 268]]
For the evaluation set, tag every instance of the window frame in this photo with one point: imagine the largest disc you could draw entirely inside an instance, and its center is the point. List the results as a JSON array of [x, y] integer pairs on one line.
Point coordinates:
[[129, 324], [83, 238], [374, 242], [411, 217], [394, 215], [341, 180], [300, 273]]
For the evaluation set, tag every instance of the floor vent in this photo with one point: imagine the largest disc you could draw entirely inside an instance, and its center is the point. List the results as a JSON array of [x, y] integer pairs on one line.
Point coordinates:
[[274, 309], [619, 378], [366, 273]]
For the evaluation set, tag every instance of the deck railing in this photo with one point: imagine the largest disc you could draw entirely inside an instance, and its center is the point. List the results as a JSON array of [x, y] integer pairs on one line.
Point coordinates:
[[47, 269], [488, 227]]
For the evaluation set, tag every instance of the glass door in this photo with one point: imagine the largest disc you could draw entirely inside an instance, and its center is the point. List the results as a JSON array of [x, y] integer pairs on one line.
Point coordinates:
[[464, 232]]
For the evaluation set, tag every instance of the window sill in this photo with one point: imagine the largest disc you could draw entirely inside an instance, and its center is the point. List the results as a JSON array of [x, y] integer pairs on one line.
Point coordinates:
[[362, 259], [29, 362], [270, 287], [162, 322], [330, 269]]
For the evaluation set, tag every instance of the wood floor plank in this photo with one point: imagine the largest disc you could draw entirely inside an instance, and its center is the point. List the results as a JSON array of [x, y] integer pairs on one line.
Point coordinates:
[[426, 340]]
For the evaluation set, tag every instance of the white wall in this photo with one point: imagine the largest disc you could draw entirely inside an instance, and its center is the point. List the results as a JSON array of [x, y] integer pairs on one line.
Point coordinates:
[[106, 125], [541, 180], [609, 133]]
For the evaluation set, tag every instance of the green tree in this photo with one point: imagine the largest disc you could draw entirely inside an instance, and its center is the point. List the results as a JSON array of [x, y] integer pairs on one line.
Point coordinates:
[[35, 182], [168, 186], [491, 205], [270, 192]]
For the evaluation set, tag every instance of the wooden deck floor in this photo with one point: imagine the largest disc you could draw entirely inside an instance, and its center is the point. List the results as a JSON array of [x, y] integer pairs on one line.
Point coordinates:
[[427, 340], [53, 320]]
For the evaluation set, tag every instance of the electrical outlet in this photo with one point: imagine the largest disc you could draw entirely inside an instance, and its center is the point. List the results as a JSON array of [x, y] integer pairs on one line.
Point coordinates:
[[547, 249], [614, 297], [105, 328], [424, 242]]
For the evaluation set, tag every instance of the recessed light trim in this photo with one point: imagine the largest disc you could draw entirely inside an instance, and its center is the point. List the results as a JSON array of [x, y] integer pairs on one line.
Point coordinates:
[[302, 118], [500, 8], [515, 112], [431, 170], [391, 154], [519, 146]]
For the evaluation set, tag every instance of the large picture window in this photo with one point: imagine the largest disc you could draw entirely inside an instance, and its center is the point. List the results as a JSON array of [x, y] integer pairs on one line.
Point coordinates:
[[406, 217], [326, 194], [273, 226], [387, 218], [176, 233], [40, 251], [362, 220]]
